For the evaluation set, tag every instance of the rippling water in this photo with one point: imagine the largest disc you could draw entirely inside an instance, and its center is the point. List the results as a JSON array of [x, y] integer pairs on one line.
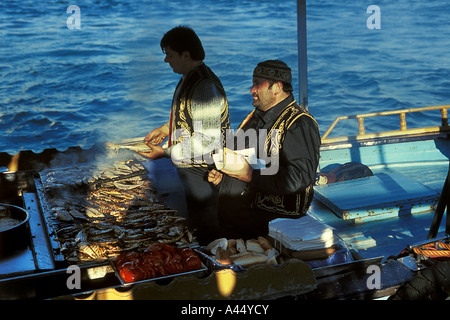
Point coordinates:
[[107, 80]]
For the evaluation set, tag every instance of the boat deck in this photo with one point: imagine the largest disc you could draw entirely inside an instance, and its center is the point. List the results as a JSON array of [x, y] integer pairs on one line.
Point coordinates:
[[390, 234]]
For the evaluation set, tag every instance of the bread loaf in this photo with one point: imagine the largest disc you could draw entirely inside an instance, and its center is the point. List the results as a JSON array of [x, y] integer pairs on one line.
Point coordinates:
[[249, 259], [254, 246], [231, 250], [265, 244], [238, 255], [231, 243], [212, 246], [243, 253], [240, 245], [272, 253]]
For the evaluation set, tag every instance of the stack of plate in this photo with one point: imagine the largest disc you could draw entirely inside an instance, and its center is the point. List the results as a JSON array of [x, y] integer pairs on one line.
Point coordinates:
[[305, 233]]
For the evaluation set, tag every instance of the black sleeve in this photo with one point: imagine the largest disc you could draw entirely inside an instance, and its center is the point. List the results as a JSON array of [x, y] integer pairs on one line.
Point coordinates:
[[298, 161]]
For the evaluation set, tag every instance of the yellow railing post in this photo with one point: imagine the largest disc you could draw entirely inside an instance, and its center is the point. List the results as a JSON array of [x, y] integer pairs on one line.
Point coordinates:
[[402, 121], [444, 117], [361, 129]]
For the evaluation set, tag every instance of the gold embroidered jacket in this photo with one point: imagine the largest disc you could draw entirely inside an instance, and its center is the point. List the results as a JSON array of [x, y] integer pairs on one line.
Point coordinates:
[[199, 118], [291, 145]]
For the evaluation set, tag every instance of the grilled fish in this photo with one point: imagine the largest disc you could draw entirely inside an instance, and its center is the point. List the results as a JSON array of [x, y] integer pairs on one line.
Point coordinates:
[[133, 146]]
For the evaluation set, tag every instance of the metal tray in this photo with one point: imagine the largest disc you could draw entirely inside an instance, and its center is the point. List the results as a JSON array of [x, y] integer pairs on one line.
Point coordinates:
[[200, 271], [212, 264]]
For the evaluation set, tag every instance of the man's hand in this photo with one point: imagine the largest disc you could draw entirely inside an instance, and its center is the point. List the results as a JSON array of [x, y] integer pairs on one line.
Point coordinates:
[[237, 165], [156, 152], [215, 177], [156, 136], [244, 173]]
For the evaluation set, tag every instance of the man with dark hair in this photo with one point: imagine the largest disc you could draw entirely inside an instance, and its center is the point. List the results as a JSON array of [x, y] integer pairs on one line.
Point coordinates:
[[199, 120], [182, 39], [286, 134]]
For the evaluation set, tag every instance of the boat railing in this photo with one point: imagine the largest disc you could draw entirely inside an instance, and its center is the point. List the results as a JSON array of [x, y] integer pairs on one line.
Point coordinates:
[[403, 126]]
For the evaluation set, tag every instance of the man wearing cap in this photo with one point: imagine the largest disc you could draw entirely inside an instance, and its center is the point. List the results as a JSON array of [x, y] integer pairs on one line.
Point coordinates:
[[288, 136]]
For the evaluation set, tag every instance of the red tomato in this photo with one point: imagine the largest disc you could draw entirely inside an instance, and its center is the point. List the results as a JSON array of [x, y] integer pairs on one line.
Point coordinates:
[[186, 252], [154, 254], [131, 255], [123, 263], [131, 274], [193, 263], [147, 271], [177, 257], [171, 266], [125, 257], [166, 254], [169, 248]]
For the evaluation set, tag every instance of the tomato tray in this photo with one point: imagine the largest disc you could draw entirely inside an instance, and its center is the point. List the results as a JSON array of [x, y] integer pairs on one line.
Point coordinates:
[[161, 278]]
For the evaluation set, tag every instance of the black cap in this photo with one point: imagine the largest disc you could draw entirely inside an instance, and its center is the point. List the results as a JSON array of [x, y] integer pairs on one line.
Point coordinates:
[[275, 70]]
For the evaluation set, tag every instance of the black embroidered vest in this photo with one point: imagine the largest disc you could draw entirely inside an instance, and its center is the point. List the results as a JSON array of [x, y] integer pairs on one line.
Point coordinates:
[[181, 114], [290, 204]]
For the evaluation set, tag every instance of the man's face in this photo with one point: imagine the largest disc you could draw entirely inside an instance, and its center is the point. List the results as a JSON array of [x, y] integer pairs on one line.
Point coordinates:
[[175, 60], [263, 97]]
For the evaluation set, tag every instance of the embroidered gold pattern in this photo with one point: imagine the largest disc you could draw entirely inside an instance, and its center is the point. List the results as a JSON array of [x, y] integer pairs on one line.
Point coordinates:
[[277, 203]]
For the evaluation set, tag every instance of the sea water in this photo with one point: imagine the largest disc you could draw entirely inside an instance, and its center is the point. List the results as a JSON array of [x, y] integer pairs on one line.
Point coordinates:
[[95, 74]]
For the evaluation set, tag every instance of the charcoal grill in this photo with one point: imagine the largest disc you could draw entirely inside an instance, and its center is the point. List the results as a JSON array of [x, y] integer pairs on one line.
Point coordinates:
[[40, 269]]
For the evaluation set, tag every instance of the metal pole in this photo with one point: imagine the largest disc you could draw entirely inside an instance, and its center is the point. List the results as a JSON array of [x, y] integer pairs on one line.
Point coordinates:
[[443, 203], [302, 56]]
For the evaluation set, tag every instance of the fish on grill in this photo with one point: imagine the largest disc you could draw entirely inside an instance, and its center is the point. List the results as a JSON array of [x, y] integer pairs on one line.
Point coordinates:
[[97, 212], [138, 146]]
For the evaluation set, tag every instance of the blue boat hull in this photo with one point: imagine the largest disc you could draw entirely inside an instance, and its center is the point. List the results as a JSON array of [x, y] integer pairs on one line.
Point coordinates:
[[379, 216]]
